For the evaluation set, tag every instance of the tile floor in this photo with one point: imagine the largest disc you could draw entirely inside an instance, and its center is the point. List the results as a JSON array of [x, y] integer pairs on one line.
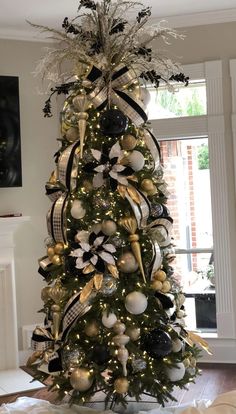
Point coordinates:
[[16, 380]]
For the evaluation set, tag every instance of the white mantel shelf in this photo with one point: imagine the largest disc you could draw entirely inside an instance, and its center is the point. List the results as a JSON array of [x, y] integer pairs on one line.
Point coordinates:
[[8, 226], [8, 318]]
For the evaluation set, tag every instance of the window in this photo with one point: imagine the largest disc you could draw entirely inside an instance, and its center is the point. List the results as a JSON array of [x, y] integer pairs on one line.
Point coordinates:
[[209, 128]]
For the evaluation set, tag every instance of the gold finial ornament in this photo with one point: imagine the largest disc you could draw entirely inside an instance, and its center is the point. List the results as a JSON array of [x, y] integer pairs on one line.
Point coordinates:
[[81, 104], [130, 224], [57, 293]]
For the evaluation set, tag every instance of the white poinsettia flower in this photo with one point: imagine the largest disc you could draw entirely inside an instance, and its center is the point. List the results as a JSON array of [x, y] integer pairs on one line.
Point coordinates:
[[94, 250], [107, 169]]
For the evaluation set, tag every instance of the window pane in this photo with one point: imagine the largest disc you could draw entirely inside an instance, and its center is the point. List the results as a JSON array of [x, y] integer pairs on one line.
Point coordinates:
[[187, 101], [186, 167], [195, 272]]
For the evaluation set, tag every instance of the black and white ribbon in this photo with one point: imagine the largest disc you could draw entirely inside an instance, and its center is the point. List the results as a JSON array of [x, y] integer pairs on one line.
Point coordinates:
[[42, 339], [153, 146], [67, 166], [56, 219], [160, 231], [141, 210], [156, 259], [127, 102], [53, 191], [72, 312]]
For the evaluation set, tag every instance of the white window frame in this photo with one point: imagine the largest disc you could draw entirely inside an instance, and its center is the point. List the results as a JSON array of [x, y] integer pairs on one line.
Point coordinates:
[[212, 126]]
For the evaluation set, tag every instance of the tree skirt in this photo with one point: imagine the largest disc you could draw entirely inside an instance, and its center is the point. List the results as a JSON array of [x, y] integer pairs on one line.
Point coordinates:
[[35, 406]]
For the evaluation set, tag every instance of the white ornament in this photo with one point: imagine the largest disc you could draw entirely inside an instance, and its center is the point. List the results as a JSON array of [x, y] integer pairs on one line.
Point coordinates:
[[136, 303], [177, 345], [127, 263], [109, 320], [77, 211], [136, 160], [96, 228], [176, 374], [109, 227]]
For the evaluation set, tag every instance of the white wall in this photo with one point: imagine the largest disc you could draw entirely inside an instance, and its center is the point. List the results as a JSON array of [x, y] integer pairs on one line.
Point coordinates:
[[38, 144]]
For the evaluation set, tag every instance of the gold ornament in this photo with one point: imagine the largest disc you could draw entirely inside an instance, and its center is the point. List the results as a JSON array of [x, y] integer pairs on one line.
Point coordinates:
[[87, 185], [121, 385], [45, 294], [133, 333], [130, 224], [81, 104], [156, 285], [59, 248], [57, 293], [166, 286], [50, 252], [72, 134], [128, 142], [148, 187], [92, 329], [160, 275], [81, 379], [109, 227], [186, 362], [56, 260]]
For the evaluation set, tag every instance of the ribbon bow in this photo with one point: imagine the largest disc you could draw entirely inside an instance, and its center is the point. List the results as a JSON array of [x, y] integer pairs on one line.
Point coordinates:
[[115, 92]]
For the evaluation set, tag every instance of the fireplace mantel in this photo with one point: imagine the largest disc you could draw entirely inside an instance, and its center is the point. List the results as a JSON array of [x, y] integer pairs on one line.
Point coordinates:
[[8, 317]]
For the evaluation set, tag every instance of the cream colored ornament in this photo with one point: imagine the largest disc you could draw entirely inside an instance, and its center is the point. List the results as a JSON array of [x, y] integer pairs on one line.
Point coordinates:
[[128, 142], [180, 314], [81, 379], [135, 160], [121, 340], [81, 104], [136, 303], [92, 329], [127, 263], [193, 362], [96, 228], [156, 285], [166, 286], [176, 374], [109, 227], [133, 333], [121, 385], [177, 345], [72, 134], [77, 211], [109, 320], [186, 362], [159, 275]]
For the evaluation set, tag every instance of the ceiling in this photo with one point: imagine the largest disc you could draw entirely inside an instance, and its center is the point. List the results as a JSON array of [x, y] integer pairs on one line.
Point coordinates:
[[14, 13]]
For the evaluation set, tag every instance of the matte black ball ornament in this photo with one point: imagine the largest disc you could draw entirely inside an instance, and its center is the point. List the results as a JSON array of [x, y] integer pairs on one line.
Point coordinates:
[[157, 343], [113, 122], [100, 354]]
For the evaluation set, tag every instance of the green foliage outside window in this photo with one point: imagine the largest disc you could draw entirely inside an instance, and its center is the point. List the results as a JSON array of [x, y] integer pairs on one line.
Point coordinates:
[[203, 157]]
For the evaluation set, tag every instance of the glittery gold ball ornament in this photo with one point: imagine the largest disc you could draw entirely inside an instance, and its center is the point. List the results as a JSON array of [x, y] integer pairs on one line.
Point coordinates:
[[50, 252], [72, 134], [136, 303], [81, 379], [127, 263], [109, 227], [133, 333], [160, 275], [59, 248], [56, 260], [128, 142], [166, 286], [156, 285], [121, 385], [92, 329]]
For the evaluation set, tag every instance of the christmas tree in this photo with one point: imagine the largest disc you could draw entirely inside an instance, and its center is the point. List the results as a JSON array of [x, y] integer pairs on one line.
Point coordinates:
[[114, 314]]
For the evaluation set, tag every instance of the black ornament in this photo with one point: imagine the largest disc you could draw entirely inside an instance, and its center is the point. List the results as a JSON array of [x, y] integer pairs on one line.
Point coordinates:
[[100, 354], [165, 300], [113, 122], [157, 343]]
